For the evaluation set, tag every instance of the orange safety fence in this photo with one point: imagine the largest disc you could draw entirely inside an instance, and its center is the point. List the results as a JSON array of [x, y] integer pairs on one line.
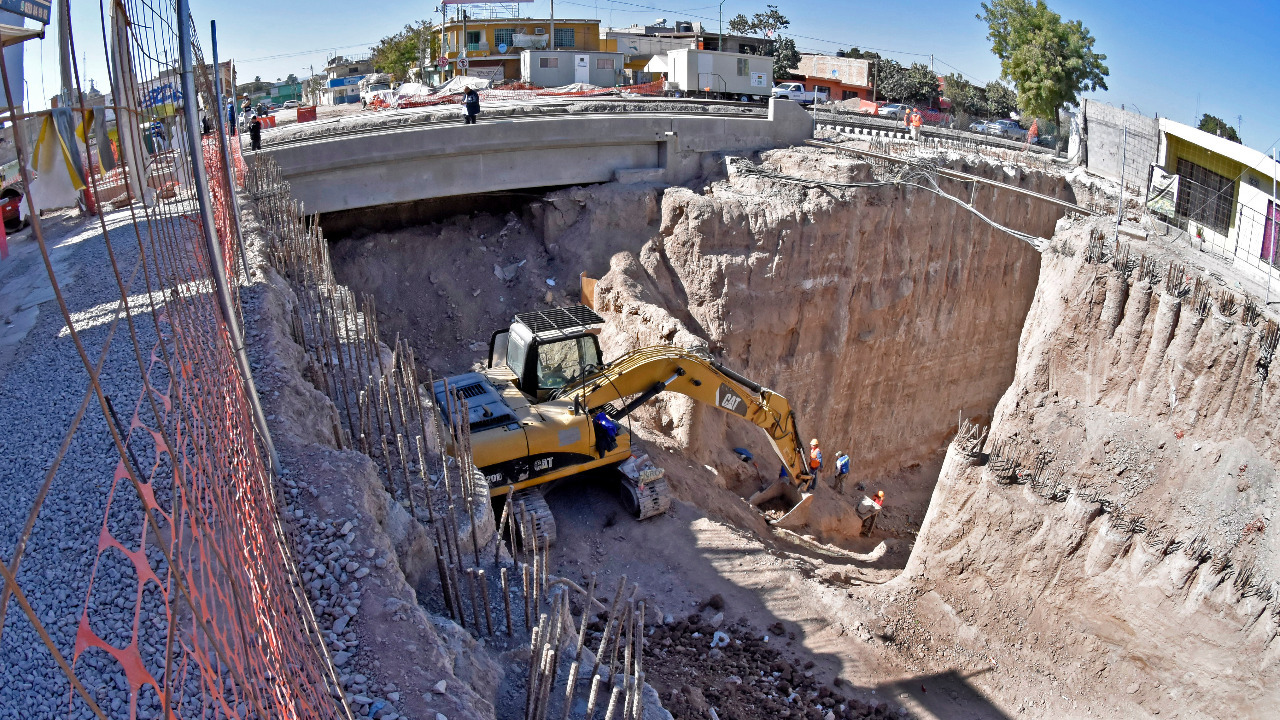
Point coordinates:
[[180, 599]]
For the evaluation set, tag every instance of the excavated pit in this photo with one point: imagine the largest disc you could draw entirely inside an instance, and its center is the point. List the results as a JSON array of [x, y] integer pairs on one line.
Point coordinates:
[[1105, 553], [882, 314]]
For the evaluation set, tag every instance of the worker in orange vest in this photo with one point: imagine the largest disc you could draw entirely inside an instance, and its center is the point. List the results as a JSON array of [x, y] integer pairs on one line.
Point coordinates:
[[916, 120], [815, 460]]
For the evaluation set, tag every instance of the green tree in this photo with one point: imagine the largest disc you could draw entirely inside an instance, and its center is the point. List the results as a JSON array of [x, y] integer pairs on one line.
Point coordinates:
[[768, 23], [785, 58], [395, 54], [914, 85], [1217, 126], [965, 97], [292, 79], [857, 54], [1000, 98], [1049, 61]]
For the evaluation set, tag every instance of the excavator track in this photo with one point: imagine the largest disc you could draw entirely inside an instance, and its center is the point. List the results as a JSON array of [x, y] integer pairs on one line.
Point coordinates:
[[645, 500], [532, 507]]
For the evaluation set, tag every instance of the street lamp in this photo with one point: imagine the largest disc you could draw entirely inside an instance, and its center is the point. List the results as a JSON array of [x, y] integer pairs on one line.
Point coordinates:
[[720, 42]]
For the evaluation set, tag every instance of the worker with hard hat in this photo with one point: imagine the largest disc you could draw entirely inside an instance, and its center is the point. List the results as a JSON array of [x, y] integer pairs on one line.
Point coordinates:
[[815, 461], [876, 504]]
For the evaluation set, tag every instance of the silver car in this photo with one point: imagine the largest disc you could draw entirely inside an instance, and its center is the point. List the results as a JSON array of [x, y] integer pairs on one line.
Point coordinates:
[[1007, 129], [893, 111]]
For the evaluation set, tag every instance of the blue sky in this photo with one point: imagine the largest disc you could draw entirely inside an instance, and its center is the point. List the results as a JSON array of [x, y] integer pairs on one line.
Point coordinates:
[[1175, 58]]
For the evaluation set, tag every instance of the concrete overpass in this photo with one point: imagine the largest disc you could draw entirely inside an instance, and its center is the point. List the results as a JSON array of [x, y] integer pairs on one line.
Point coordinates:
[[436, 160]]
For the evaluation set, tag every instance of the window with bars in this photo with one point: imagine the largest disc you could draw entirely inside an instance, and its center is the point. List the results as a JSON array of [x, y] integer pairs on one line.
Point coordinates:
[[1204, 197], [504, 36], [565, 37]]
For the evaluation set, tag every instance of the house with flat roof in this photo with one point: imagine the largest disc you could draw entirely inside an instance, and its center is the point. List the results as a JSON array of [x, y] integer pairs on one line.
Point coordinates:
[[842, 78], [1222, 193], [493, 45]]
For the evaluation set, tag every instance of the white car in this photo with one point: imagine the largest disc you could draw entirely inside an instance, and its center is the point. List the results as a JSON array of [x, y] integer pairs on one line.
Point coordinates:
[[795, 91], [290, 104]]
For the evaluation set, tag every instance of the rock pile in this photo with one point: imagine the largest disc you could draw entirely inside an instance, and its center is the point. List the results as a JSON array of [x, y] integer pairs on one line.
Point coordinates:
[[703, 663]]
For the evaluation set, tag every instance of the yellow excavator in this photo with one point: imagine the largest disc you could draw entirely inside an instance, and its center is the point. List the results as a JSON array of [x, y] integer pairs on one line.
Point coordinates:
[[547, 407]]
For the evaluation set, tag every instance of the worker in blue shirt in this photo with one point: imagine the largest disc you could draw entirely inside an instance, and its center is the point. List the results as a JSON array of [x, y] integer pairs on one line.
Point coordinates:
[[842, 470]]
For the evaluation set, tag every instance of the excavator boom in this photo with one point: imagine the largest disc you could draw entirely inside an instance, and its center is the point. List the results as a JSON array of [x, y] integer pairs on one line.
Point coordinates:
[[649, 371]]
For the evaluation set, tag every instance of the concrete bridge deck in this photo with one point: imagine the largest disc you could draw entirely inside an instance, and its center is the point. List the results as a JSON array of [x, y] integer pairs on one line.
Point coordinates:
[[383, 166]]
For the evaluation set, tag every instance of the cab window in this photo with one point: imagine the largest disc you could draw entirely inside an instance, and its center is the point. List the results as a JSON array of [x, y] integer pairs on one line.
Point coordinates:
[[560, 363], [517, 348]]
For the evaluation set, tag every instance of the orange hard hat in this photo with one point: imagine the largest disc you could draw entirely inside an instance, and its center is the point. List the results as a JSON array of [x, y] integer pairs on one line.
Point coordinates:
[[880, 494], [813, 441]]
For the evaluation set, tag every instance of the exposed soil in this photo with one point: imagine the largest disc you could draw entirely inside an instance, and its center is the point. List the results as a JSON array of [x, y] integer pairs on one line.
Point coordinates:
[[887, 315]]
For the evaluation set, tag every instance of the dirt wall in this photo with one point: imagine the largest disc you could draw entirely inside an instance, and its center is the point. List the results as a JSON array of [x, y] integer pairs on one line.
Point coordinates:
[[881, 313], [1137, 558]]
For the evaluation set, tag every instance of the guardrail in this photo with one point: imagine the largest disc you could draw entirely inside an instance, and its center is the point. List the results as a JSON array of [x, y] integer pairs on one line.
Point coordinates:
[[877, 127]]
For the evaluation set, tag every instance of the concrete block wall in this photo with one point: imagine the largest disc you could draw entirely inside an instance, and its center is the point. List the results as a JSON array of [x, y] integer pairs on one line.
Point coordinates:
[[1108, 147]]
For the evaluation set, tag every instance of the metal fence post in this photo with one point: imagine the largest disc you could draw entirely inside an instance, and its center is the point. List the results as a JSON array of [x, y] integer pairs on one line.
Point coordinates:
[[217, 266], [233, 199], [1124, 151]]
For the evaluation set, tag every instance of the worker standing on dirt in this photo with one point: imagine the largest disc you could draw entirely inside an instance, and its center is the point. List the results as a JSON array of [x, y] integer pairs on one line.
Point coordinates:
[[1033, 133], [815, 460], [842, 471], [876, 504], [471, 99], [916, 120]]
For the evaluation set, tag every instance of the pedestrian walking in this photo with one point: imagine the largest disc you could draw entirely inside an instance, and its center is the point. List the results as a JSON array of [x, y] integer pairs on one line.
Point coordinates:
[[471, 100], [255, 133]]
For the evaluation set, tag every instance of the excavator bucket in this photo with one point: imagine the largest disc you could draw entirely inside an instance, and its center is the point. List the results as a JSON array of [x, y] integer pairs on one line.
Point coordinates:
[[783, 504]]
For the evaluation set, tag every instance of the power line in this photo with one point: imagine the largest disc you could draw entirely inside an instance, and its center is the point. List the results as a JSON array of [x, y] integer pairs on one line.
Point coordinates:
[[281, 56]]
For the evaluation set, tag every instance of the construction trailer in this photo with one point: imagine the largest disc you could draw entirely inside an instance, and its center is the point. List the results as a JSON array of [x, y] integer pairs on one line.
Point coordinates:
[[707, 73], [557, 68]]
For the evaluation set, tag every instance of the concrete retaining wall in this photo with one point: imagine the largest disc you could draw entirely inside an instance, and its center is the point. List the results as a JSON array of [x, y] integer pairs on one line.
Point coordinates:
[[1107, 144], [434, 161]]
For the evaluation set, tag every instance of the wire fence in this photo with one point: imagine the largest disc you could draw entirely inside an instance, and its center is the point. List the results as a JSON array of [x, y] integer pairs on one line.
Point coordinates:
[[190, 604], [1188, 193]]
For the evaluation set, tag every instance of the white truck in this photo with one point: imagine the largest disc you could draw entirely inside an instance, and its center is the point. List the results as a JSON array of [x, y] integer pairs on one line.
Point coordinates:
[[795, 91]]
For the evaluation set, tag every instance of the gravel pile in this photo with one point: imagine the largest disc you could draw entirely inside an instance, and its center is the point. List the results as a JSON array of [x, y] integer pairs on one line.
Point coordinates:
[[40, 392]]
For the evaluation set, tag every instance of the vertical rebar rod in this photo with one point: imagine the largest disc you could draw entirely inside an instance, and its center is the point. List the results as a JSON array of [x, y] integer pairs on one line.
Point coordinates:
[[506, 598], [484, 596]]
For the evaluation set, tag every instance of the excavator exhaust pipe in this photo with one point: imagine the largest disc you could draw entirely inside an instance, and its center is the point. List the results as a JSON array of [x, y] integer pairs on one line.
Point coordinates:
[[783, 505]]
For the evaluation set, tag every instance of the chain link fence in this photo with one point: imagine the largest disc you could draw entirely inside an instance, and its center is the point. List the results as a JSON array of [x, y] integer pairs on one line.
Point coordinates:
[[150, 577]]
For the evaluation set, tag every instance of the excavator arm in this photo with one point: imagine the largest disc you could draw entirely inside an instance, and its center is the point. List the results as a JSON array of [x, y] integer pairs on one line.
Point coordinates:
[[643, 374]]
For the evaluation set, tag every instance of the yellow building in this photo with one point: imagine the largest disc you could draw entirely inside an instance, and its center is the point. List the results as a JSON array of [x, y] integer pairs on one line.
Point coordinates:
[[493, 45]]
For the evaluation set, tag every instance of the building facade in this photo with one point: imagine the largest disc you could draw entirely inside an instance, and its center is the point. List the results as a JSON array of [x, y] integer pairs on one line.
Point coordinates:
[[639, 44], [493, 45], [556, 68], [1222, 193], [343, 75], [842, 78]]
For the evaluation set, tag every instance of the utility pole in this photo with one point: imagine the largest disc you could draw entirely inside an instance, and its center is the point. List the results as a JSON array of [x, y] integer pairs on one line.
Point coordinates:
[[464, 44], [720, 42], [552, 41]]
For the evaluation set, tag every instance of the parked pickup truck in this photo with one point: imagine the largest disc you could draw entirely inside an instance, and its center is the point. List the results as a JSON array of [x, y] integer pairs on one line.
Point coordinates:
[[795, 91]]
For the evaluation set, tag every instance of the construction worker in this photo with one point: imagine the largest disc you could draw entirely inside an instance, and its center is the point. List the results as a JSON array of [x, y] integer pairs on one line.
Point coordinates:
[[842, 471], [1033, 133], [916, 120], [869, 522], [815, 461]]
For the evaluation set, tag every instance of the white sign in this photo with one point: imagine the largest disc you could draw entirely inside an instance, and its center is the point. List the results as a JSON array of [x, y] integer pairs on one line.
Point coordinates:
[[463, 63], [581, 61], [759, 80]]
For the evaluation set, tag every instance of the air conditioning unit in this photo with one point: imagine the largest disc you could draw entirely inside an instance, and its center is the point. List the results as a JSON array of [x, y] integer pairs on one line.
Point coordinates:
[[539, 31]]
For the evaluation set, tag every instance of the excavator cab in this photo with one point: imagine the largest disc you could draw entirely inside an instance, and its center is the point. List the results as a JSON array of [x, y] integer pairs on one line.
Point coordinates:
[[549, 349]]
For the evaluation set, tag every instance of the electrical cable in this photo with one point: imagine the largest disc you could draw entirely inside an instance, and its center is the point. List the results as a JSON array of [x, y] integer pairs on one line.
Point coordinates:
[[914, 176]]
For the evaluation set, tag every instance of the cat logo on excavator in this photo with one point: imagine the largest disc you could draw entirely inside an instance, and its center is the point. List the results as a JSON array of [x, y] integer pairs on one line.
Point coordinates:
[[729, 400]]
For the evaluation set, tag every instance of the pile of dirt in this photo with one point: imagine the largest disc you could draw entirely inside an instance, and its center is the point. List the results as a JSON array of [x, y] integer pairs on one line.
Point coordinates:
[[700, 662]]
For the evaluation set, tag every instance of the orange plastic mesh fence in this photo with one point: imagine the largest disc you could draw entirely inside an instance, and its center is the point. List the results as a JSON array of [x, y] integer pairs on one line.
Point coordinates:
[[190, 605]]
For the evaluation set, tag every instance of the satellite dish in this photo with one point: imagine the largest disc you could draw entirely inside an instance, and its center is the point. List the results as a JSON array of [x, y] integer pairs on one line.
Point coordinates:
[[502, 48]]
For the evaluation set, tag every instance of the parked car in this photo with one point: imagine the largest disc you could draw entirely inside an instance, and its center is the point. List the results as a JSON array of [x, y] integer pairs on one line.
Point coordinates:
[[288, 104], [10, 200], [1009, 129], [893, 111], [979, 127], [795, 91]]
